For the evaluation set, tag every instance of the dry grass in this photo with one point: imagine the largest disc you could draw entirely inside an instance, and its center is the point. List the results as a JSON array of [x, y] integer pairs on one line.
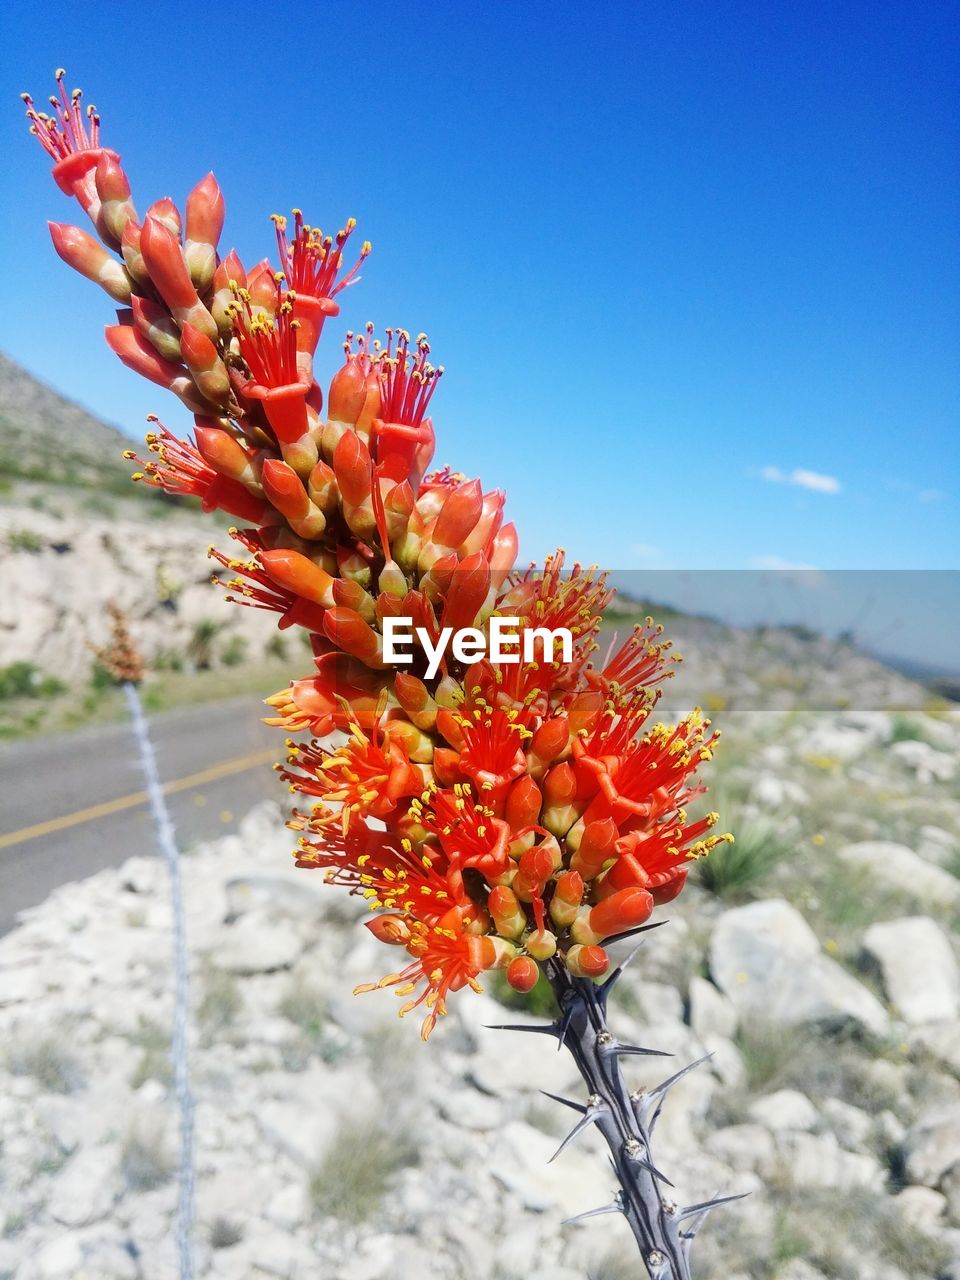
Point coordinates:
[[351, 1182]]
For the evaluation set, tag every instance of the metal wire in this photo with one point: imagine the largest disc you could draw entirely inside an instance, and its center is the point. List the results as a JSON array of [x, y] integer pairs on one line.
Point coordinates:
[[167, 840]]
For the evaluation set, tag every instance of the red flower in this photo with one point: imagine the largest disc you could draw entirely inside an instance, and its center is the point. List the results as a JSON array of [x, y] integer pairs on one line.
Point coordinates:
[[497, 814]]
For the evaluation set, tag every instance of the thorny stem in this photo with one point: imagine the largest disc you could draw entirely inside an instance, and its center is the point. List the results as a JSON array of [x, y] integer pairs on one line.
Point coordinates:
[[662, 1230]]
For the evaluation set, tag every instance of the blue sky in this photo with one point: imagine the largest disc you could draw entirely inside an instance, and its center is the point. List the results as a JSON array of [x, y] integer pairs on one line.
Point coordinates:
[[693, 270]]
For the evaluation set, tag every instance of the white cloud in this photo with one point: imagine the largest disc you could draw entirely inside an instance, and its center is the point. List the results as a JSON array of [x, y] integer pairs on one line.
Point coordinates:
[[803, 479], [777, 564], [931, 495], [815, 481]]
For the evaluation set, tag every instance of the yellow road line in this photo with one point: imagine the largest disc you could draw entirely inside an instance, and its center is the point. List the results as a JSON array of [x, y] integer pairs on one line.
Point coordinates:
[[136, 798]]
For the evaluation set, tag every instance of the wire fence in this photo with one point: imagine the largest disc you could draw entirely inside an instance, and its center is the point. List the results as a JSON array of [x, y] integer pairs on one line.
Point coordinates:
[[167, 840]]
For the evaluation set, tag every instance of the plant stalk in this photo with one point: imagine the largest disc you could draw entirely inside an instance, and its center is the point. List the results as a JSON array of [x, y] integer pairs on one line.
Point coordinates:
[[625, 1119]]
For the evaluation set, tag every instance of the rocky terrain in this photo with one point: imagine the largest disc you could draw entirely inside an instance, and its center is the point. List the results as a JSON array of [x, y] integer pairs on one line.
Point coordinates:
[[816, 959], [76, 535]]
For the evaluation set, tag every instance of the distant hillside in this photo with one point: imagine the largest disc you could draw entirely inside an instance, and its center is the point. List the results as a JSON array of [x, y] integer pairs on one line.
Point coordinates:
[[45, 437]]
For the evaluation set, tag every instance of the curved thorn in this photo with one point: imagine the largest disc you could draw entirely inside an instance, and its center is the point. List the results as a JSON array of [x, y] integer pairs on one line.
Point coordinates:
[[565, 1025], [548, 1030], [627, 1050], [653, 1170], [614, 1207], [567, 1102], [588, 1118], [705, 1207], [605, 987], [670, 1081], [632, 933]]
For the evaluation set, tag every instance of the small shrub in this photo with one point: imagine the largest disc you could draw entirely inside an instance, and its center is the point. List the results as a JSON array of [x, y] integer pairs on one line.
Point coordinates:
[[145, 1161], [352, 1180], [200, 644], [234, 651], [155, 1062], [167, 660], [906, 729], [276, 647], [46, 1060], [221, 1001], [24, 680], [25, 540], [732, 870], [224, 1233]]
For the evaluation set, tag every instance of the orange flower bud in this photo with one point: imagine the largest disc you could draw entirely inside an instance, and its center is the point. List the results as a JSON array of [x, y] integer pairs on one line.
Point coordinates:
[[541, 945], [322, 487], [560, 810], [88, 256], [202, 359], [132, 257], [225, 454], [596, 848], [587, 961], [509, 917], [353, 469], [157, 326], [297, 573], [414, 697], [205, 212], [535, 869], [566, 900], [389, 928], [113, 188], [523, 973], [164, 260], [224, 299], [351, 595], [468, 591], [548, 743], [524, 802], [503, 553], [623, 910], [285, 490], [143, 358], [349, 632], [167, 213]]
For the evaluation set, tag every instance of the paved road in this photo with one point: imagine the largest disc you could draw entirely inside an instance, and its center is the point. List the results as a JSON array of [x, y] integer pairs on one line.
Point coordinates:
[[72, 805]]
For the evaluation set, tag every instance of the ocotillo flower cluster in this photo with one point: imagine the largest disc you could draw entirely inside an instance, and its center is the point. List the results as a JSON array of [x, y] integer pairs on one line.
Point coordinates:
[[497, 815]]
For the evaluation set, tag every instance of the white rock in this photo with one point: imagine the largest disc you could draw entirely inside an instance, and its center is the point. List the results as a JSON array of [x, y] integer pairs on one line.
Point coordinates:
[[937, 845], [851, 1125], [745, 1147], [798, 1269], [256, 944], [902, 869], [726, 1062], [932, 1145], [62, 1257], [785, 1109], [86, 1189], [289, 1208], [922, 1207], [711, 1013], [929, 764], [919, 970], [277, 895], [520, 1162], [811, 1161], [941, 1040], [767, 959]]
